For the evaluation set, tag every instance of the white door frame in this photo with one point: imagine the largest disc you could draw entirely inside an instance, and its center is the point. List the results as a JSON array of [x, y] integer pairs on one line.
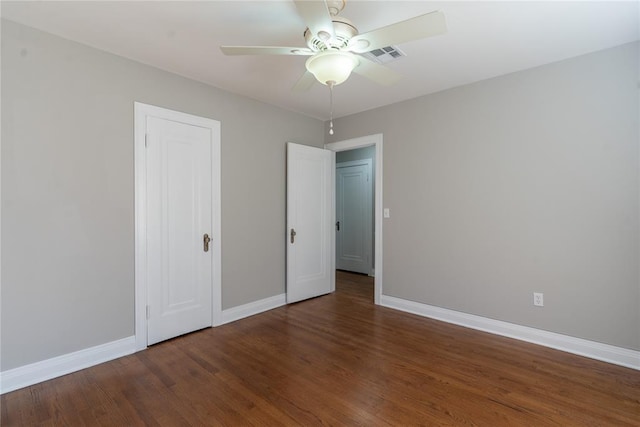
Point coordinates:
[[141, 112], [368, 196], [351, 144]]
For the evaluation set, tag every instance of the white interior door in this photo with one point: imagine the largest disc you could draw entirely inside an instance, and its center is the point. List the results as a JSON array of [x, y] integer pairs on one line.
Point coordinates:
[[179, 214], [310, 217], [353, 216]]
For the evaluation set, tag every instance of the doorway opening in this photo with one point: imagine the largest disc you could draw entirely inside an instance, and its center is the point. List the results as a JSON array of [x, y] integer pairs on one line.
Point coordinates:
[[355, 185], [353, 156]]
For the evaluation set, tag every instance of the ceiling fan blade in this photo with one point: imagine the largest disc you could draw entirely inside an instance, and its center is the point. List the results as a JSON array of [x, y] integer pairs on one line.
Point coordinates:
[[265, 50], [376, 72], [304, 83], [315, 15], [430, 24]]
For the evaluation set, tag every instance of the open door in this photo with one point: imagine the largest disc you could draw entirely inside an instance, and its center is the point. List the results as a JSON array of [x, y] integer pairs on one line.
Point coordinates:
[[310, 224]]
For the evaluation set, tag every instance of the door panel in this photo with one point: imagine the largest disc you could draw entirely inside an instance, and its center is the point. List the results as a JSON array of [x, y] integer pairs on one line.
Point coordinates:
[[353, 213], [178, 215], [310, 216]]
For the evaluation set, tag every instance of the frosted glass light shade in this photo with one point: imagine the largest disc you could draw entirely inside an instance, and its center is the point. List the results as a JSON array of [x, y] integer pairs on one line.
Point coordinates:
[[332, 66]]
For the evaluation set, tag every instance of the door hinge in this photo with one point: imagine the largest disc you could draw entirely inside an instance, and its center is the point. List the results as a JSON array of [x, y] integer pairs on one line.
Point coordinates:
[[146, 140], [148, 313]]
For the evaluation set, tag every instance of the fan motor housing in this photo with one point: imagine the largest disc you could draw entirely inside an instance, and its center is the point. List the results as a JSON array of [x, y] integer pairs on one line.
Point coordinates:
[[344, 30]]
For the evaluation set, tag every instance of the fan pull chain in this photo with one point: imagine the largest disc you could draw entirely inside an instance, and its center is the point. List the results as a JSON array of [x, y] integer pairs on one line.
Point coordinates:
[[330, 84]]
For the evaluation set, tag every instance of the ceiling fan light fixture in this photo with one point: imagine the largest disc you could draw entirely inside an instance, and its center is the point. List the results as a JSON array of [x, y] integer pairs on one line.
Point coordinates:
[[332, 66]]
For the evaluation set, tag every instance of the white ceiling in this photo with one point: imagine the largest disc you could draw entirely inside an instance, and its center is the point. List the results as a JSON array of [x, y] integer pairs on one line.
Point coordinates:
[[484, 39]]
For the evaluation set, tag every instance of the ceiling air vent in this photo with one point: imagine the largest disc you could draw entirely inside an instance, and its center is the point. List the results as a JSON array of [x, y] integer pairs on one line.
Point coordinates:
[[385, 54]]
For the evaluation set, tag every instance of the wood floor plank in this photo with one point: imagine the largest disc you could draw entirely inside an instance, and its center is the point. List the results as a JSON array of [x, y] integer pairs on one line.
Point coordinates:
[[336, 360]]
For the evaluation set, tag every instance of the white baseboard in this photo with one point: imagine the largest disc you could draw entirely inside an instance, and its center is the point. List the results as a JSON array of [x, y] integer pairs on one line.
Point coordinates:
[[594, 350], [34, 373], [246, 310]]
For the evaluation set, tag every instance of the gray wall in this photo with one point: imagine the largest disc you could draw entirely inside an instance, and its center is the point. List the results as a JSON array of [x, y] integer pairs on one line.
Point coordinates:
[[363, 154], [67, 191], [525, 182]]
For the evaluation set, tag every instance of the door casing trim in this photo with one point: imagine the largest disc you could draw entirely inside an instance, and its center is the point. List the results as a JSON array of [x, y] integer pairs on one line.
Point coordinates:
[[141, 112], [350, 144]]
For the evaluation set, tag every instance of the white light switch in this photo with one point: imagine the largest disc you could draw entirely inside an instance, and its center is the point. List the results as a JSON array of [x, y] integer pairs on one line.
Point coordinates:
[[386, 213]]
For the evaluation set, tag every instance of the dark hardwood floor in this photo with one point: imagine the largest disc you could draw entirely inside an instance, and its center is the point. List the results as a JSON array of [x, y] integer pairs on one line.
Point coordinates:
[[336, 360]]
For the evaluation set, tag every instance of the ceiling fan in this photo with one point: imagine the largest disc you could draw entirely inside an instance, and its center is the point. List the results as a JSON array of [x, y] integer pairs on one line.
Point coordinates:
[[333, 44]]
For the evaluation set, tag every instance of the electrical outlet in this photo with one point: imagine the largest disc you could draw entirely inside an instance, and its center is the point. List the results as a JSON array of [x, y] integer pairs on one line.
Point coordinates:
[[538, 299]]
